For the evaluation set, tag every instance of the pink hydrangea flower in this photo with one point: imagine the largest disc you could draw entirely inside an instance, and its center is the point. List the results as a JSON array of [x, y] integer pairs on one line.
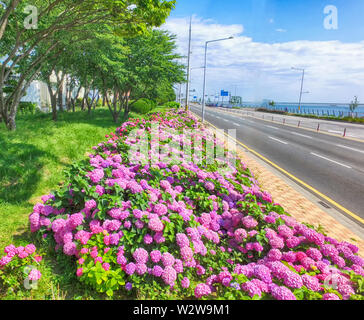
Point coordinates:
[[34, 275], [185, 283], [202, 290]]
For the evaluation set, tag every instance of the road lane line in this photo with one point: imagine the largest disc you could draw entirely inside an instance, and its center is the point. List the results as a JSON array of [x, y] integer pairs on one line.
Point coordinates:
[[293, 177], [236, 124], [271, 127], [334, 131], [278, 140], [301, 135], [353, 149], [322, 157], [348, 136]]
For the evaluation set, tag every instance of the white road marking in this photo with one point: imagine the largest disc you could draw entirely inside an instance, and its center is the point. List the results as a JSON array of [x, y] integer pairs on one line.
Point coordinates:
[[271, 127], [278, 140], [236, 124], [353, 136], [226, 120], [333, 131], [322, 157], [353, 149], [301, 135]]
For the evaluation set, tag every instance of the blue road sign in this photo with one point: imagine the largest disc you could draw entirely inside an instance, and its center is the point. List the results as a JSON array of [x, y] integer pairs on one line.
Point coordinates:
[[224, 93]]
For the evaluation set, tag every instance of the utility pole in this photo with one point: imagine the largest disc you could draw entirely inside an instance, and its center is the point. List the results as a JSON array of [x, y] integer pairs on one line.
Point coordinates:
[[303, 77], [188, 65], [301, 92]]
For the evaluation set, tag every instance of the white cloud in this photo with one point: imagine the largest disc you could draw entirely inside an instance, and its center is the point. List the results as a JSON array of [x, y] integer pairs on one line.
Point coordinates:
[[334, 70], [281, 30]]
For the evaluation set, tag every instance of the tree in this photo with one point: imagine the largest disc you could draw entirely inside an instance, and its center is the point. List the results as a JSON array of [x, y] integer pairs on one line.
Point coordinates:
[[152, 66], [353, 105], [58, 19], [127, 70]]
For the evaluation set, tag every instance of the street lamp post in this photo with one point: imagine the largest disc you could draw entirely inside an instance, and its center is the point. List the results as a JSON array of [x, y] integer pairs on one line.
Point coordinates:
[[191, 79], [188, 66], [204, 77], [301, 92]]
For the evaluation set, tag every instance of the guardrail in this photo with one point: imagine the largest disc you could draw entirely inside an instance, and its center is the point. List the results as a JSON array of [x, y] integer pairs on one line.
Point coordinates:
[[287, 120]]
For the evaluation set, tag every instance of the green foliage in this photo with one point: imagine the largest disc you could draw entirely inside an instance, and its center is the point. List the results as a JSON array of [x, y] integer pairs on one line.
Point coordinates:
[[143, 106], [172, 104], [27, 107], [354, 104], [64, 37], [13, 276]]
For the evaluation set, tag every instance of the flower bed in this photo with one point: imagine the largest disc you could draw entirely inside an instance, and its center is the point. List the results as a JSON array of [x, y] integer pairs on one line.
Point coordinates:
[[185, 226], [17, 268]]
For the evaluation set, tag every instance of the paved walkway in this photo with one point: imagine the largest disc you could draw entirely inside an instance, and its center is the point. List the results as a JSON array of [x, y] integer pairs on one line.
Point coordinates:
[[298, 205]]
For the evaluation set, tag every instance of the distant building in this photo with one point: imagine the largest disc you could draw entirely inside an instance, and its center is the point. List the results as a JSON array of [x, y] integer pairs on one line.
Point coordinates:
[[38, 93]]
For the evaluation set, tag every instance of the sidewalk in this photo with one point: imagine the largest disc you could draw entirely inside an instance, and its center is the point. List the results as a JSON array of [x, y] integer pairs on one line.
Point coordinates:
[[296, 203]]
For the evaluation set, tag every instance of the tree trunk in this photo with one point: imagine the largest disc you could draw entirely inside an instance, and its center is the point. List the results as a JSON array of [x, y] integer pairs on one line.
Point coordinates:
[[11, 125], [53, 102], [59, 93], [4, 18], [68, 98], [60, 99], [97, 100], [116, 117]]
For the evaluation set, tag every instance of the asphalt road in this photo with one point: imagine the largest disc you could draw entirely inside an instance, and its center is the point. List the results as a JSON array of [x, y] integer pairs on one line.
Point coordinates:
[[351, 130], [332, 165]]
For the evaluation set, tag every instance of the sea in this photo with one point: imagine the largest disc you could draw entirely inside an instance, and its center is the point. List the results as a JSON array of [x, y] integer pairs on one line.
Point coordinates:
[[321, 109]]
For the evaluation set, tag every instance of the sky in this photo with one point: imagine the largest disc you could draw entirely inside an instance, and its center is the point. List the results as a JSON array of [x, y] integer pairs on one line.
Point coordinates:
[[271, 37]]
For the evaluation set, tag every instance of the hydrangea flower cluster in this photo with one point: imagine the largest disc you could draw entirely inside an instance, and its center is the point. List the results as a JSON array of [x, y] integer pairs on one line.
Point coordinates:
[[192, 227], [19, 264]]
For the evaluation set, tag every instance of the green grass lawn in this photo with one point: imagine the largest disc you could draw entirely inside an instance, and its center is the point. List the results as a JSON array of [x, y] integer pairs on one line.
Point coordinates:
[[32, 160]]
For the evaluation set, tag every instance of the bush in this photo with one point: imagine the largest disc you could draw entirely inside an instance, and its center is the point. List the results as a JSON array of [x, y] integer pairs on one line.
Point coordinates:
[[78, 102], [17, 268], [27, 107], [172, 104], [181, 230], [143, 106], [271, 111]]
